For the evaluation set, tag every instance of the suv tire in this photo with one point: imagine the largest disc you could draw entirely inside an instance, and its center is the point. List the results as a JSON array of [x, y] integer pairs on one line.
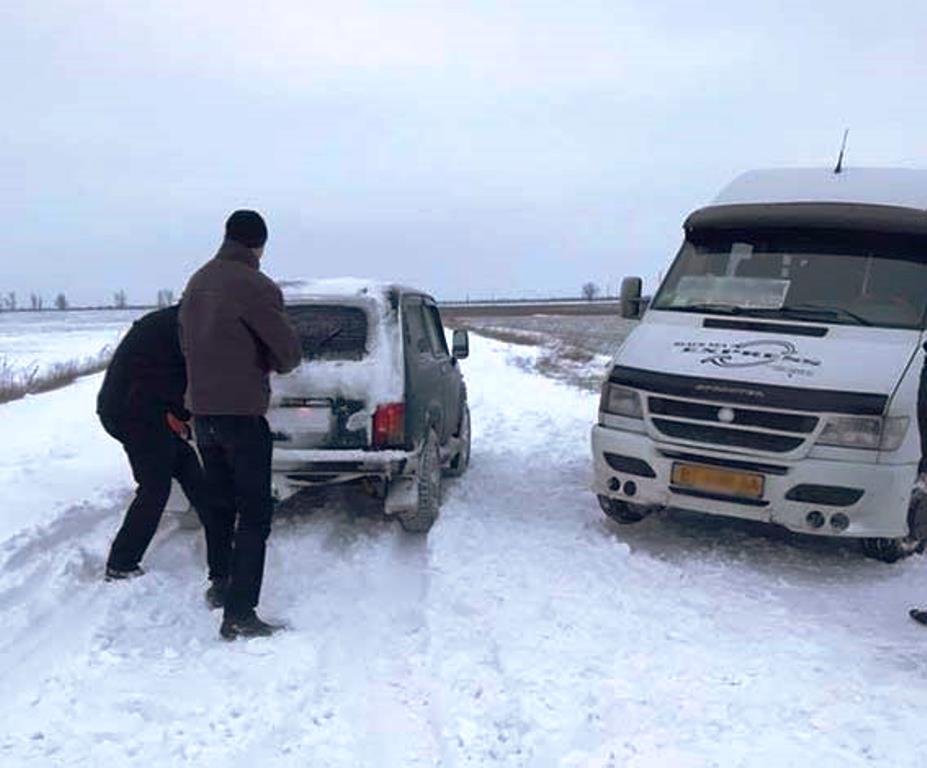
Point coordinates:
[[428, 479], [461, 461]]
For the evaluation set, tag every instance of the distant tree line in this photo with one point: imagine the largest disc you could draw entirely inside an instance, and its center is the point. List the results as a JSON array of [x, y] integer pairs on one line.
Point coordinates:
[[10, 303]]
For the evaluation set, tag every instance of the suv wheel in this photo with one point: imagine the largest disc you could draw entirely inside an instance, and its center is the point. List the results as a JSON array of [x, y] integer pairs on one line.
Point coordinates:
[[461, 461], [420, 519]]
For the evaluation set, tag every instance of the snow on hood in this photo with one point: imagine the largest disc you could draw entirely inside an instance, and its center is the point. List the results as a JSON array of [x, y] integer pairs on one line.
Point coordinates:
[[848, 359], [905, 187]]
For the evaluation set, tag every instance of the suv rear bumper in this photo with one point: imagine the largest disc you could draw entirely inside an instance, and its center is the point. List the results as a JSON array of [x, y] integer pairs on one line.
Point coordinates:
[[881, 511], [301, 468]]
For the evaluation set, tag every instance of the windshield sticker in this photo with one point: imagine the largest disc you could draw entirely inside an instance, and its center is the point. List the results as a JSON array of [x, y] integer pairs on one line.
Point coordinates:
[[782, 356], [742, 292]]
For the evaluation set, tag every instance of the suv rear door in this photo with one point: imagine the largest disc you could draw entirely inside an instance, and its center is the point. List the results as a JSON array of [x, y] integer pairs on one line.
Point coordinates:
[[303, 416]]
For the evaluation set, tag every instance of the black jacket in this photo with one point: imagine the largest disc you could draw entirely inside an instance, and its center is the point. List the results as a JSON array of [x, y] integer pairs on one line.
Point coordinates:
[[147, 376]]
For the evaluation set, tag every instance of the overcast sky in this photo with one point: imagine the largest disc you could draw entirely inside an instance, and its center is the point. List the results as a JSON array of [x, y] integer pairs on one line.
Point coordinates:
[[481, 148]]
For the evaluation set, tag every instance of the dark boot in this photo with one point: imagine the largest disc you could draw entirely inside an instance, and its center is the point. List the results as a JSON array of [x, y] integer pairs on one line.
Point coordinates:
[[114, 574], [919, 615], [248, 625], [215, 595]]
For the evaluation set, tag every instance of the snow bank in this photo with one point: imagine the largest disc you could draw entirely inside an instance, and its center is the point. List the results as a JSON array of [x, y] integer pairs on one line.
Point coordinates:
[[55, 456]]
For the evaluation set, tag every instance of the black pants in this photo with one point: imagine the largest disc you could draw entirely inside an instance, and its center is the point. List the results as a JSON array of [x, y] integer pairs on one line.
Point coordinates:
[[922, 416], [156, 456], [236, 453]]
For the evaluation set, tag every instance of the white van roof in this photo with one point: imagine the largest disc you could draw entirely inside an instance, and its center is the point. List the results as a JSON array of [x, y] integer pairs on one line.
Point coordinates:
[[903, 187]]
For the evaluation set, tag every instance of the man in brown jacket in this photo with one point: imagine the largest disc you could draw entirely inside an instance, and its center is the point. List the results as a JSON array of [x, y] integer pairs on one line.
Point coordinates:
[[234, 332]]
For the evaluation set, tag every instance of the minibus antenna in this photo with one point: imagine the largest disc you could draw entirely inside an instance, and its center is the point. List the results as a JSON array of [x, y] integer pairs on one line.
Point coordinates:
[[843, 148]]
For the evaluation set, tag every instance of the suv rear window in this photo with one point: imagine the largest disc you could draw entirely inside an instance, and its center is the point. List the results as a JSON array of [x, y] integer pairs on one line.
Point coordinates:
[[330, 332]]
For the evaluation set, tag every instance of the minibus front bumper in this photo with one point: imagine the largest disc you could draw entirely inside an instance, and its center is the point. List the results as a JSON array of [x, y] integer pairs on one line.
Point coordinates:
[[814, 496]]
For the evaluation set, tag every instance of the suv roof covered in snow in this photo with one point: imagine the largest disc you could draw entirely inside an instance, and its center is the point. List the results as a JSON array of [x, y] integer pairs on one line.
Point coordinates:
[[340, 288]]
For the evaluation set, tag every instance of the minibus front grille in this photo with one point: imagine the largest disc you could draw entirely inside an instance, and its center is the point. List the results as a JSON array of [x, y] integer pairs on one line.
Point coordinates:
[[729, 438], [731, 426], [740, 417]]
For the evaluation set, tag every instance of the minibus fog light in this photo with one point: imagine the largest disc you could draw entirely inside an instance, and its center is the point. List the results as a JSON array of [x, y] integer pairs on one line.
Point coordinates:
[[621, 401], [815, 519], [630, 488], [614, 485], [840, 522]]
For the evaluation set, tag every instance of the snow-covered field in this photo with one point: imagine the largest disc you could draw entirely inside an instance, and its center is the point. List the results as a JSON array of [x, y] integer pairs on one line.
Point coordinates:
[[525, 631], [40, 339]]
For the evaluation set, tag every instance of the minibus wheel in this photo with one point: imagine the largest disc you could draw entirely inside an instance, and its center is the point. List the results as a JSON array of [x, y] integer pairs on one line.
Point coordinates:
[[621, 511], [892, 550]]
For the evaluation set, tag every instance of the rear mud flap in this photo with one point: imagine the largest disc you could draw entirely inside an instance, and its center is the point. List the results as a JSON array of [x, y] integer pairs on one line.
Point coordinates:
[[402, 495], [917, 514]]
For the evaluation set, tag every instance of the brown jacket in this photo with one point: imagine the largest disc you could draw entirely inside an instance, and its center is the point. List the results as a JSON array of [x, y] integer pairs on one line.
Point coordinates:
[[233, 332]]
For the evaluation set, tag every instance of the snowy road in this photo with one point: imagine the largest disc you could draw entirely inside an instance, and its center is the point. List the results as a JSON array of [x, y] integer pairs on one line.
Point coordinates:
[[526, 630]]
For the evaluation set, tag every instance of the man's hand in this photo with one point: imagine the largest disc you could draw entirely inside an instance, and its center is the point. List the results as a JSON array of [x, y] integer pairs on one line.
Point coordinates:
[[178, 427]]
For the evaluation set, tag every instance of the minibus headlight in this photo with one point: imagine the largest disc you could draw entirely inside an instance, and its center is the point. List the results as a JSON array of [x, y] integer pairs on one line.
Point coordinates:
[[621, 401], [870, 433]]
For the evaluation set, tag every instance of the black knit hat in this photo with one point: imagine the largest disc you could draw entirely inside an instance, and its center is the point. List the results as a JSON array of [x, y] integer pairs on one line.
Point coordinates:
[[247, 228]]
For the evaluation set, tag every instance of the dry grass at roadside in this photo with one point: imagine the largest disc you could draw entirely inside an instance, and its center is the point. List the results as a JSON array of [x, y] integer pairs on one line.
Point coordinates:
[[16, 383], [507, 335], [559, 359], [574, 366]]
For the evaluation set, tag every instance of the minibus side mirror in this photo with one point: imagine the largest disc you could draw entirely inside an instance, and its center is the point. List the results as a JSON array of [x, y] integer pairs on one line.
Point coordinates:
[[461, 345], [632, 303]]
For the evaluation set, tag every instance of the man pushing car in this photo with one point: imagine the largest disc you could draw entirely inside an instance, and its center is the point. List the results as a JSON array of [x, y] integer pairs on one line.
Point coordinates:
[[141, 404], [234, 332]]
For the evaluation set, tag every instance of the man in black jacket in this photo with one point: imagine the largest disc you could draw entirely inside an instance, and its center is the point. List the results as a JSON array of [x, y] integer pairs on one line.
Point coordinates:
[[141, 404]]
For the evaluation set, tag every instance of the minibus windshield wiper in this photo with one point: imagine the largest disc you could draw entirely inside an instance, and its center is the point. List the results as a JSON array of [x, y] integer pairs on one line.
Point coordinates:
[[809, 311], [817, 309]]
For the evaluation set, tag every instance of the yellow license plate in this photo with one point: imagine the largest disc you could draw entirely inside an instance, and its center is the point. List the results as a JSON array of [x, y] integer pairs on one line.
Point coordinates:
[[724, 482]]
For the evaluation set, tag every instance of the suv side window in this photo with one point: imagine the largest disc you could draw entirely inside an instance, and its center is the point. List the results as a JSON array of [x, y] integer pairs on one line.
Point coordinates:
[[435, 330], [416, 336]]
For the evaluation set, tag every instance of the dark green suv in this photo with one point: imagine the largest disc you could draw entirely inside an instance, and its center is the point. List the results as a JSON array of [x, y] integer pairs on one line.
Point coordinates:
[[379, 399]]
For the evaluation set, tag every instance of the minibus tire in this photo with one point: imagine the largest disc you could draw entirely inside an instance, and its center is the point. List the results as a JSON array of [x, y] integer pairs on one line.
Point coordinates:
[[892, 550], [622, 512]]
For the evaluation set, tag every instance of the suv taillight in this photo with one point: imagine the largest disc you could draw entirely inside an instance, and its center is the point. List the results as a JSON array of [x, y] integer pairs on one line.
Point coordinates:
[[389, 426]]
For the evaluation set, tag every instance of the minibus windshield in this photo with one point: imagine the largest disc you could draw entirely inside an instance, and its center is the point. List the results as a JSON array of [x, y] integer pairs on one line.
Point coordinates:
[[843, 277]]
